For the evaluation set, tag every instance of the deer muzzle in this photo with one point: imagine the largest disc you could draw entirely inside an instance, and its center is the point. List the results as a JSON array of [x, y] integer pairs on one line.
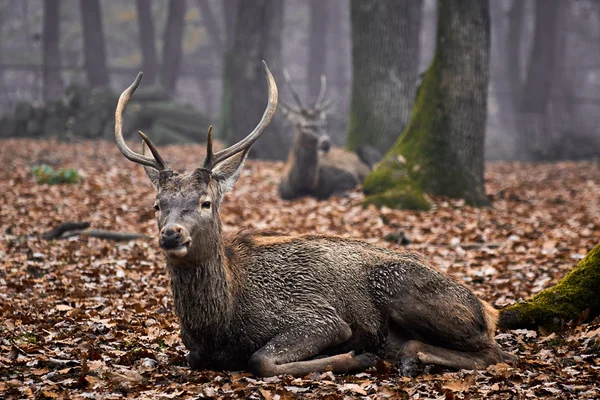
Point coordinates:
[[175, 240]]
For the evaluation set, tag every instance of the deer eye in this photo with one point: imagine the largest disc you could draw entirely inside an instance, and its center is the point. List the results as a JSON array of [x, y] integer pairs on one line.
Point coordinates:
[[156, 206], [206, 204]]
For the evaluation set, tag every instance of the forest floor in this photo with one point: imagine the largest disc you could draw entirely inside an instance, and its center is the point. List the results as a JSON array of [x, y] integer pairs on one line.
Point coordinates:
[[89, 318]]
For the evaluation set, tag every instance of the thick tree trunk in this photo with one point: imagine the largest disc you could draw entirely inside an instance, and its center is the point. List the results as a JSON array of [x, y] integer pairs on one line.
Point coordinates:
[[385, 56], [441, 150], [53, 84], [94, 47], [147, 41], [257, 37], [574, 298], [317, 50], [172, 42]]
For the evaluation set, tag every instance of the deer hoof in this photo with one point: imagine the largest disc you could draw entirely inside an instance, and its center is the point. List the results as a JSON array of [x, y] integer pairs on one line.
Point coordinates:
[[365, 360], [409, 366], [194, 361]]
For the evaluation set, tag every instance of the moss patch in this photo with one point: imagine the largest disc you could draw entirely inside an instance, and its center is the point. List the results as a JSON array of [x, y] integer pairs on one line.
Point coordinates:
[[568, 300]]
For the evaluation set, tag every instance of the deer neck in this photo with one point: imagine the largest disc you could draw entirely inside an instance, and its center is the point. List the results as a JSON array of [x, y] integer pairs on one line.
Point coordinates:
[[304, 162], [202, 285]]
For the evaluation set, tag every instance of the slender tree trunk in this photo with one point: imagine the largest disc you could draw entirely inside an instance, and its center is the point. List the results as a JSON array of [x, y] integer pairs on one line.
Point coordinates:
[[339, 58], [574, 298], [537, 88], [257, 37], [94, 47], [317, 54], [230, 13], [210, 23], [147, 40], [441, 150], [513, 52], [501, 143], [385, 56], [53, 84], [172, 42], [217, 47]]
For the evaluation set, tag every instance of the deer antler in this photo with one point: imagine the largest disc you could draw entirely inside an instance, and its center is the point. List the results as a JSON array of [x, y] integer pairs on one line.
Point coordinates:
[[295, 95], [213, 159], [321, 92], [154, 162]]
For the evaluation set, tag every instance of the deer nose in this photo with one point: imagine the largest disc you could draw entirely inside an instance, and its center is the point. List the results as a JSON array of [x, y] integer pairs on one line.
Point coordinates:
[[170, 236], [325, 145]]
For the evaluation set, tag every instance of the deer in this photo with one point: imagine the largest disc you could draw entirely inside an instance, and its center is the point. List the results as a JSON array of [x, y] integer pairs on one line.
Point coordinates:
[[314, 167], [276, 304]]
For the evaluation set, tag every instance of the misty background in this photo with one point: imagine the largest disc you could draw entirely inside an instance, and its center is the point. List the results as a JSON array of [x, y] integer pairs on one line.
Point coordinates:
[[544, 101]]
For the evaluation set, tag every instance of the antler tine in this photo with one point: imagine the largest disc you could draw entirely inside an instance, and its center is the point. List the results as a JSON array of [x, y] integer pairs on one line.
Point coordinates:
[[326, 104], [283, 104], [208, 161], [213, 159], [288, 81], [156, 162], [321, 91]]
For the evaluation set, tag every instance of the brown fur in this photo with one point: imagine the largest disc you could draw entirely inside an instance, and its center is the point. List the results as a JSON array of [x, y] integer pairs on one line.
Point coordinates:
[[281, 304]]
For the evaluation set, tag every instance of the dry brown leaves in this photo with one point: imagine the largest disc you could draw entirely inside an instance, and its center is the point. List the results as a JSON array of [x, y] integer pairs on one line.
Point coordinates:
[[86, 318]]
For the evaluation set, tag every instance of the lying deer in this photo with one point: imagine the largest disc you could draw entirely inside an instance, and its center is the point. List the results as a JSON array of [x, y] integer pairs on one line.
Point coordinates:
[[314, 168], [279, 304]]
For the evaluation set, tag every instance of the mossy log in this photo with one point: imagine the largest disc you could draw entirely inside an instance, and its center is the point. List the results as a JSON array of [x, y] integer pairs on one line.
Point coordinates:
[[441, 150], [574, 298]]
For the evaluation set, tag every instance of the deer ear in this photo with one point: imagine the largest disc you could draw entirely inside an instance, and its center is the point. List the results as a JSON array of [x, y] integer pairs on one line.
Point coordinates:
[[227, 172], [151, 172]]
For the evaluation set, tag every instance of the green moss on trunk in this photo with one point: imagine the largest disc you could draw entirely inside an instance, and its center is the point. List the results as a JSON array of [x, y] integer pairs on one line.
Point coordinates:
[[568, 300], [441, 150]]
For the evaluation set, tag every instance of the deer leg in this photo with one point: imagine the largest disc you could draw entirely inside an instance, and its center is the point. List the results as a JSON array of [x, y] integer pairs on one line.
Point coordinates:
[[287, 353], [414, 350]]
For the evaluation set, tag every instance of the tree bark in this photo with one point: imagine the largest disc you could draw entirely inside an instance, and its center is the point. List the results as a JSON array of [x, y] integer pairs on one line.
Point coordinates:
[[385, 56], [257, 37], [147, 41], [441, 150], [53, 83], [317, 50], [94, 46], [172, 42], [574, 298]]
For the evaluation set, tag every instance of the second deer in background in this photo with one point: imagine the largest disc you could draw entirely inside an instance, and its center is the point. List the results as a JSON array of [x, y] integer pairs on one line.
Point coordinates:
[[314, 167]]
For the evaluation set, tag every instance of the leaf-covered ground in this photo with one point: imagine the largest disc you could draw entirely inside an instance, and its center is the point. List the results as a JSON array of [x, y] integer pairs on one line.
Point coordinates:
[[87, 318]]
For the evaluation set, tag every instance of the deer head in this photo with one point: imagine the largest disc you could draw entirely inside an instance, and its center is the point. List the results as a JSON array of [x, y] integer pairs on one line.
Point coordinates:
[[310, 123], [187, 204]]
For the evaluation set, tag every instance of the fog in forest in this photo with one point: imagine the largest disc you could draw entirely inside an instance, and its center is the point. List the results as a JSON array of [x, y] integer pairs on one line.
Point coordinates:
[[543, 101]]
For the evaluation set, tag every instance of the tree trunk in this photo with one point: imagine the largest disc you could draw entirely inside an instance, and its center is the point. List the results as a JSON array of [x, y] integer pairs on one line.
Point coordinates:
[[385, 56], [574, 298], [513, 52], [441, 150], [94, 47], [210, 23], [536, 90], [230, 12], [501, 142], [172, 46], [257, 37], [147, 41], [53, 84], [317, 50], [339, 58]]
